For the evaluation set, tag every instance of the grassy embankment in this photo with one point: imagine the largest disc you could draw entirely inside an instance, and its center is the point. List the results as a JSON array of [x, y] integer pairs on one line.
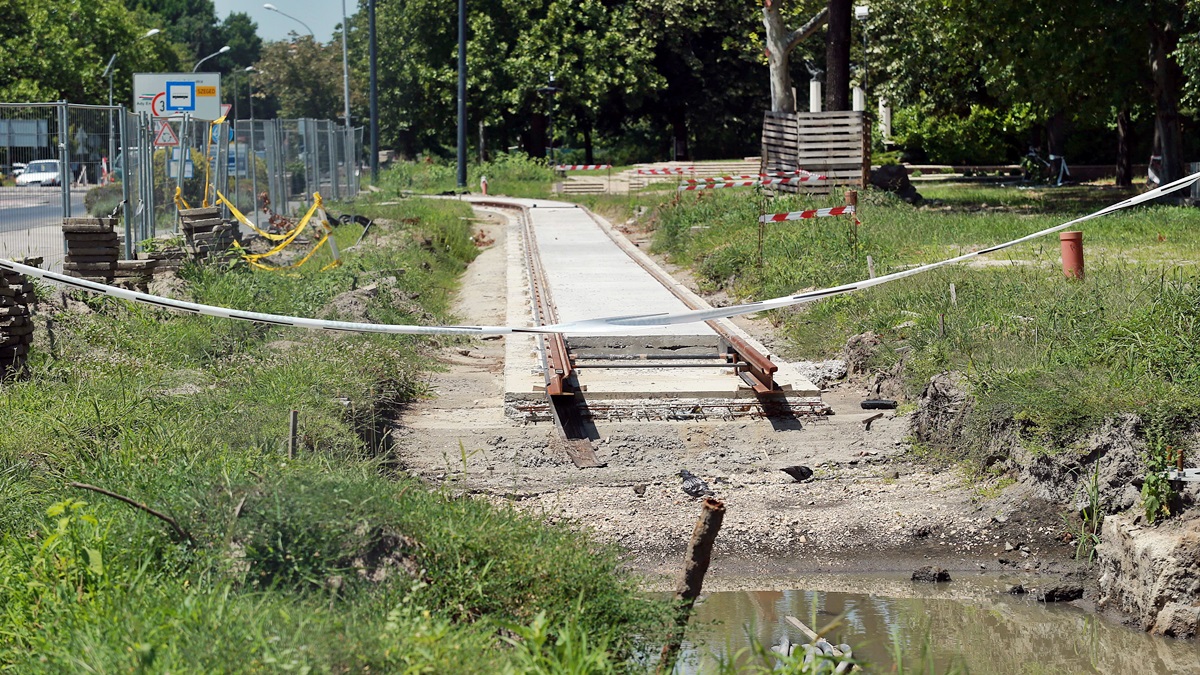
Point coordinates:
[[509, 175], [1052, 356], [328, 562]]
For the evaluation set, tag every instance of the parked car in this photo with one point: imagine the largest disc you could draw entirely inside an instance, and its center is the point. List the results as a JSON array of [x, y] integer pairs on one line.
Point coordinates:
[[42, 172]]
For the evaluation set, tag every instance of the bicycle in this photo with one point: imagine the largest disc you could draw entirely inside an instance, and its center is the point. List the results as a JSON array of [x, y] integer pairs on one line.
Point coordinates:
[[1033, 165]]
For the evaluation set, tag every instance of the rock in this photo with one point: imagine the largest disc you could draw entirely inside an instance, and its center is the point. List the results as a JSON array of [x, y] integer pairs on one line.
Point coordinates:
[[1063, 593], [1009, 547], [639, 490], [859, 351], [1178, 621], [1150, 573], [821, 373], [894, 178], [1016, 589], [930, 574], [942, 410]]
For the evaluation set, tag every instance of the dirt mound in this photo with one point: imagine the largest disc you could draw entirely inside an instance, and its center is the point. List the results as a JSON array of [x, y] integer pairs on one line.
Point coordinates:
[[942, 410], [1064, 477], [169, 285], [367, 303], [859, 351]]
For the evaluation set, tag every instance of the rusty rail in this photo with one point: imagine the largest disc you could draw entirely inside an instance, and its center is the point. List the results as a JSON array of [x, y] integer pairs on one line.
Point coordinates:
[[759, 371]]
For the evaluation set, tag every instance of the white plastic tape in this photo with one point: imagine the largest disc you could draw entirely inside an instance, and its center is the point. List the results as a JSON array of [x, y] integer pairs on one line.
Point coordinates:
[[599, 326]]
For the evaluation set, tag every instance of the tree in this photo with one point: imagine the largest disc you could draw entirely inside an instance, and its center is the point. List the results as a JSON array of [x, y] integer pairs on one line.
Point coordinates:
[[58, 49], [303, 76], [837, 56], [780, 42], [191, 23]]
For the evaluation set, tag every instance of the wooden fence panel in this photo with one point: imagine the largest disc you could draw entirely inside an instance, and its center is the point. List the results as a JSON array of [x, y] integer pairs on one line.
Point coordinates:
[[835, 144]]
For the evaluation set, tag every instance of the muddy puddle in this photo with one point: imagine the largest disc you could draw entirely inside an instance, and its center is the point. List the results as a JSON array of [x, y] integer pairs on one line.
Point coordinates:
[[968, 625]]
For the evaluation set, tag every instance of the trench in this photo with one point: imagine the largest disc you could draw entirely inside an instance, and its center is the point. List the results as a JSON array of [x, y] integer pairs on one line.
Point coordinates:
[[971, 625]]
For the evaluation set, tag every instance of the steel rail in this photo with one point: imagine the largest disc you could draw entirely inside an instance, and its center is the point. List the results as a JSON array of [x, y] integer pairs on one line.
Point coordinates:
[[758, 371]]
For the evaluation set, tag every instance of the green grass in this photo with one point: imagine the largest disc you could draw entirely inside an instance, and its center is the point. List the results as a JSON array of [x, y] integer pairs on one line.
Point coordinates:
[[1053, 356], [508, 175], [189, 415]]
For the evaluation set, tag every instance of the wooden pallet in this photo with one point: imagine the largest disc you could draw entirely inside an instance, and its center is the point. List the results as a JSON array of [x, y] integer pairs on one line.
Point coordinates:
[[834, 144]]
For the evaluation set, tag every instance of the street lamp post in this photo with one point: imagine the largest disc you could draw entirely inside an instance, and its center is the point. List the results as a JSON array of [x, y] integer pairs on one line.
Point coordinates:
[[462, 93], [219, 52], [108, 70], [550, 90], [275, 9]]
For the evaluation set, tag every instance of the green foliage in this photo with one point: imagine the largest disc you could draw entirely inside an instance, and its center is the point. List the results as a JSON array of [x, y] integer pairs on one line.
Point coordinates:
[[101, 200], [982, 135], [325, 562], [512, 175], [1047, 358]]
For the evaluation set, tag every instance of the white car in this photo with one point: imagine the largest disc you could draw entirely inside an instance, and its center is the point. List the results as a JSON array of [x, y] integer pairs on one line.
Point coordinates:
[[41, 172]]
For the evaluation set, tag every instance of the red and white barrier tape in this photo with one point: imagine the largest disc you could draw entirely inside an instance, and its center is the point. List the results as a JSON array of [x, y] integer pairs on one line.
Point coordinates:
[[801, 215], [713, 186], [582, 167], [676, 171], [766, 178]]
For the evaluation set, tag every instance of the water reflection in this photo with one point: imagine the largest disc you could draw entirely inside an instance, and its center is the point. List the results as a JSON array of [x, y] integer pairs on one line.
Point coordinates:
[[978, 629]]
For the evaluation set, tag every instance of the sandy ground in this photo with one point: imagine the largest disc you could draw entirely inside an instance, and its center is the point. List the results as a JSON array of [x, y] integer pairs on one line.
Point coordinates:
[[870, 506]]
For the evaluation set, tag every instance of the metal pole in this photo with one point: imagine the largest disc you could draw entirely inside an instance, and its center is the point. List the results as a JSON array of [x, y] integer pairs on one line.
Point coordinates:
[[374, 94], [462, 93], [64, 160], [345, 67], [253, 164], [127, 215]]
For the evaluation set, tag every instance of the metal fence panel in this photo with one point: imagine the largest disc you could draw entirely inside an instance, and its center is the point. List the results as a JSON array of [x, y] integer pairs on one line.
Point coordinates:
[[105, 159]]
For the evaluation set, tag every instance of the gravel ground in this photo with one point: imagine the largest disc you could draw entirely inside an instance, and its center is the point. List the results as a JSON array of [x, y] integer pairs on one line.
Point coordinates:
[[869, 507]]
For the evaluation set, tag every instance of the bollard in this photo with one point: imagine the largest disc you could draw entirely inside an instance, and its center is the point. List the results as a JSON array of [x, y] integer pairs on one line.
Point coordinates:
[[483, 184], [1072, 254]]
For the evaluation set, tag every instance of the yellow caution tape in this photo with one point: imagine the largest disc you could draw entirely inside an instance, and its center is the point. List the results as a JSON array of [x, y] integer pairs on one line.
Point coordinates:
[[180, 202], [253, 259], [246, 221]]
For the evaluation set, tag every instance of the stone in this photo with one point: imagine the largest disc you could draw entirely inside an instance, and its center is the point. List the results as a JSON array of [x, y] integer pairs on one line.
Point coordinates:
[[931, 574], [1016, 589], [894, 178], [1178, 621], [1063, 593]]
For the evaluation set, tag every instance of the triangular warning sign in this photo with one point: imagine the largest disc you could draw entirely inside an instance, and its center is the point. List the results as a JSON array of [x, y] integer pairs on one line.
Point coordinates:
[[165, 135]]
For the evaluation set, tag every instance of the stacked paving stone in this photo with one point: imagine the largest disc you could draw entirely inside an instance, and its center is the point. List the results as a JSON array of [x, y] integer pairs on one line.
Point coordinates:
[[16, 324], [207, 235], [135, 274], [92, 248]]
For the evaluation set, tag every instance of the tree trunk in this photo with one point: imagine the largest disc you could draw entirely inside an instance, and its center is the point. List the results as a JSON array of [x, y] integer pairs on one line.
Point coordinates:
[[679, 133], [588, 157], [837, 56], [1167, 78], [782, 99], [779, 45], [1124, 159]]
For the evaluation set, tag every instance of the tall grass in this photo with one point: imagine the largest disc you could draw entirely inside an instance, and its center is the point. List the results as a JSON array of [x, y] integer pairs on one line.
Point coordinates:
[[1057, 357], [515, 175], [329, 561]]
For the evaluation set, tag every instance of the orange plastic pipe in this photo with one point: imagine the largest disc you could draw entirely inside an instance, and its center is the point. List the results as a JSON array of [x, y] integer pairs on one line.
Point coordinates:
[[1072, 254]]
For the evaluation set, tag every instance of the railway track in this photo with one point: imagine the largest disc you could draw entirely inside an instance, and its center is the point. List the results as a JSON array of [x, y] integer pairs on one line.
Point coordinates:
[[565, 363]]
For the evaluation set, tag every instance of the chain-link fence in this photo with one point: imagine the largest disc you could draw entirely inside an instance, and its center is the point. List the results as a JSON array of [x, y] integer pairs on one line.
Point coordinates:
[[59, 160]]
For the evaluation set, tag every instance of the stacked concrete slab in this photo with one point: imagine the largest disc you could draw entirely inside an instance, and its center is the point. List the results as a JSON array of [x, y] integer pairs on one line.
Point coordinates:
[[16, 324], [135, 274], [206, 233], [92, 248]]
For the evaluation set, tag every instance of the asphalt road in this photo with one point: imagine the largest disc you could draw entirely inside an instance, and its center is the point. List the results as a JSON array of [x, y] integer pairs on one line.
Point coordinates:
[[26, 208]]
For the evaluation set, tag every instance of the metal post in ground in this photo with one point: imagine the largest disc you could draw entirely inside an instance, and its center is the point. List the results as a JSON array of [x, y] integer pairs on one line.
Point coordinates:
[[126, 212], [64, 161], [462, 94], [374, 94]]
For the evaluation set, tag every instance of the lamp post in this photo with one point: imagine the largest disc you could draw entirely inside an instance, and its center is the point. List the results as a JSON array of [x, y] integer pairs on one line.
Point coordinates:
[[312, 35], [550, 90], [374, 111], [861, 12], [462, 93], [108, 70], [219, 52]]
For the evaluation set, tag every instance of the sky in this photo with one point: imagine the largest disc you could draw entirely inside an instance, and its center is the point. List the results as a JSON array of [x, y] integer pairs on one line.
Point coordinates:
[[320, 15]]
